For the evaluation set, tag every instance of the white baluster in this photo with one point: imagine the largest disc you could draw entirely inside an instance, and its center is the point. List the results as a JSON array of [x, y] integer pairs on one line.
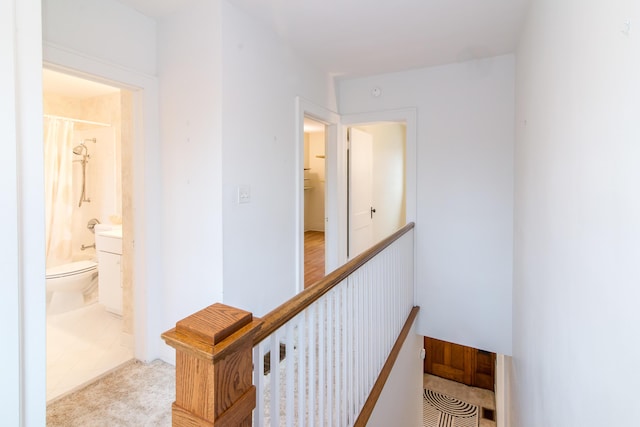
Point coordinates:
[[302, 366], [275, 380], [331, 358], [311, 373], [321, 361], [258, 382], [344, 395], [289, 365], [350, 351]]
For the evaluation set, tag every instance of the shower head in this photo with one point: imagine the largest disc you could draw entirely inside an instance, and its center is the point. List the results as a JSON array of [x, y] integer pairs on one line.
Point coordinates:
[[78, 149]]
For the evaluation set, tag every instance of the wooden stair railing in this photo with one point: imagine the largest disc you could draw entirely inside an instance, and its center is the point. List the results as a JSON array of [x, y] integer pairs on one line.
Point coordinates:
[[214, 362]]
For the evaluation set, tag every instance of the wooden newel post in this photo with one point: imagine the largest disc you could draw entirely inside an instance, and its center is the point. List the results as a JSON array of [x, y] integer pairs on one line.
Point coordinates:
[[214, 367]]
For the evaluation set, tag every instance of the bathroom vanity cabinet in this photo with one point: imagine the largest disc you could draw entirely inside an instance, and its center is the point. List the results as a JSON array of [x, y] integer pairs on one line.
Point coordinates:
[[109, 248]]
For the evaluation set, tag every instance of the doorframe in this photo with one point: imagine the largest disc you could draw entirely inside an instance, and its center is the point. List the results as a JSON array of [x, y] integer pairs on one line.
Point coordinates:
[[334, 162], [336, 175], [409, 116], [146, 164]]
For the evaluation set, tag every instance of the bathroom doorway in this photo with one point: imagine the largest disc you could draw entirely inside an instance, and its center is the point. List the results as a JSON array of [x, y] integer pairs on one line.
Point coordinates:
[[88, 129], [314, 177]]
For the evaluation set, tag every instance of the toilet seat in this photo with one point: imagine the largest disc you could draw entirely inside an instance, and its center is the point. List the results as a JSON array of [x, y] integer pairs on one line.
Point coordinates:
[[71, 269]]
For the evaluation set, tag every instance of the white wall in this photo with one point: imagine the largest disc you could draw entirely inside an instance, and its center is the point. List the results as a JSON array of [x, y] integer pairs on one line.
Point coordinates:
[[190, 102], [102, 29], [405, 380], [22, 364], [464, 192], [261, 79], [104, 35], [388, 177], [577, 223]]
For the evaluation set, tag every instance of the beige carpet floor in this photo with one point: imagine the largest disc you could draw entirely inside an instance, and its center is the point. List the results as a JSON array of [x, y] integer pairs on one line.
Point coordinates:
[[136, 394]]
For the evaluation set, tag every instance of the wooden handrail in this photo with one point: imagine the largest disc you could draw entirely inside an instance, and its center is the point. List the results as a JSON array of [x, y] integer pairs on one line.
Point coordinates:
[[276, 318], [214, 350], [370, 404]]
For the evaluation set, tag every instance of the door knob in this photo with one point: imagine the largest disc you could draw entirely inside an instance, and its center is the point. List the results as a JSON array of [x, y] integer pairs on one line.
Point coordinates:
[[373, 210]]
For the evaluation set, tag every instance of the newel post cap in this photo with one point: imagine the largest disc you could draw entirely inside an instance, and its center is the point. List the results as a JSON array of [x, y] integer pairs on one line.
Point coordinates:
[[211, 331]]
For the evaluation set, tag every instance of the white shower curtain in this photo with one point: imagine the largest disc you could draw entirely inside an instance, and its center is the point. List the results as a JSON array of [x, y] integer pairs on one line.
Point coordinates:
[[58, 158]]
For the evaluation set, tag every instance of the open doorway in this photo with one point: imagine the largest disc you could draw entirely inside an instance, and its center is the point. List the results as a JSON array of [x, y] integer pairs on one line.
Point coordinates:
[[377, 183], [337, 182], [88, 145], [314, 207], [334, 220]]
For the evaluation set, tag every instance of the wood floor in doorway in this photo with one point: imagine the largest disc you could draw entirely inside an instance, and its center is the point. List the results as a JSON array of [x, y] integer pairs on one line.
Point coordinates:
[[313, 257]]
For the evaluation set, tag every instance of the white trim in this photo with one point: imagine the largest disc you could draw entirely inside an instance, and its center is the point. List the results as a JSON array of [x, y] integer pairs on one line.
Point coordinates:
[[11, 367], [333, 231], [95, 69], [501, 419], [146, 199], [31, 208]]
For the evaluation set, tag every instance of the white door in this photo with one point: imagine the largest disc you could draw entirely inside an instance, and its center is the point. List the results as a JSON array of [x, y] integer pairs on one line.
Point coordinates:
[[361, 209]]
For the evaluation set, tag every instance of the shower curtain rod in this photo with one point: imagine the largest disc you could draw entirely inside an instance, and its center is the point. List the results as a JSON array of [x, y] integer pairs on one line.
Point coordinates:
[[49, 116]]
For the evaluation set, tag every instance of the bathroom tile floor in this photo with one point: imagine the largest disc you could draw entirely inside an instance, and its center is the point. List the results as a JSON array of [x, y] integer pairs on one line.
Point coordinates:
[[82, 345]]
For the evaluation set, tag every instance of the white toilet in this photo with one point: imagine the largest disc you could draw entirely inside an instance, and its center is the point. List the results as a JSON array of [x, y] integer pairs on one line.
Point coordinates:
[[67, 284]]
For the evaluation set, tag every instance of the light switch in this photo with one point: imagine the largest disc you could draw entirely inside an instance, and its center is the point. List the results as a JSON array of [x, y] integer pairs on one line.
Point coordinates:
[[244, 194]]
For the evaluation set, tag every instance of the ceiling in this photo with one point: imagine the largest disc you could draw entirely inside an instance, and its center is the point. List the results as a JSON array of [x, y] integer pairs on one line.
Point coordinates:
[[364, 37], [156, 8]]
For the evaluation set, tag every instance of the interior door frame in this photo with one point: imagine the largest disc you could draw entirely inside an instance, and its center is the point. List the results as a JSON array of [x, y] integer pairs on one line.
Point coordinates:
[[336, 175], [409, 117], [334, 164], [144, 88]]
